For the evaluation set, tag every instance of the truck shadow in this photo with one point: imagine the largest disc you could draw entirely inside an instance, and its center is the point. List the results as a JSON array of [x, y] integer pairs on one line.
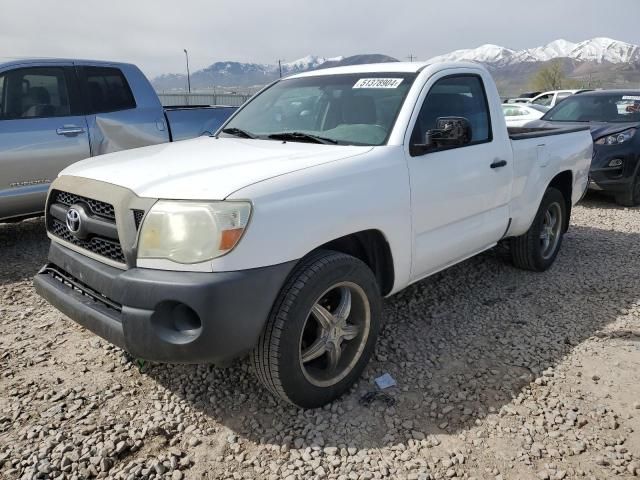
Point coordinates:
[[25, 244], [462, 344]]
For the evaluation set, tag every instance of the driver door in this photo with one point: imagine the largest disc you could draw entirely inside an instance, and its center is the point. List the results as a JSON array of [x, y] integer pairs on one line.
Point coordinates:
[[42, 130], [459, 196]]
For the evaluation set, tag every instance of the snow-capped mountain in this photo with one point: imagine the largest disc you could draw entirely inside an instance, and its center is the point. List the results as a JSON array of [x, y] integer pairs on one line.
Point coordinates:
[[610, 62], [606, 50], [308, 63], [599, 50], [236, 74], [493, 54]]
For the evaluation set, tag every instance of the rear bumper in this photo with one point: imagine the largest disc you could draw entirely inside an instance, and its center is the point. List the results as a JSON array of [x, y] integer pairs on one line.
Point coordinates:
[[164, 316]]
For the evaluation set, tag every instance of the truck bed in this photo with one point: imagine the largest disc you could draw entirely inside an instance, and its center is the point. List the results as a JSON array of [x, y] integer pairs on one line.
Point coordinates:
[[523, 133]]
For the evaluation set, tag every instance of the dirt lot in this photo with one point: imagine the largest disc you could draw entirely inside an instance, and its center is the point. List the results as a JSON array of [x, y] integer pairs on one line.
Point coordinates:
[[502, 374]]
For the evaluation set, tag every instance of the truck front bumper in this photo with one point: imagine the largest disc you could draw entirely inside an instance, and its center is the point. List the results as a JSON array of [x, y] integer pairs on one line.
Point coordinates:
[[164, 316]]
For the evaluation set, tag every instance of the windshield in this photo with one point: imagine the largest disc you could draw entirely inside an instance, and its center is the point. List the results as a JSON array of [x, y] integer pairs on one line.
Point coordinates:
[[353, 109], [620, 107]]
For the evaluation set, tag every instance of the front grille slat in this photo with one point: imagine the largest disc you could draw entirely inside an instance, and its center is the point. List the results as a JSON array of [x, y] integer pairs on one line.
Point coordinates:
[[102, 209], [99, 245]]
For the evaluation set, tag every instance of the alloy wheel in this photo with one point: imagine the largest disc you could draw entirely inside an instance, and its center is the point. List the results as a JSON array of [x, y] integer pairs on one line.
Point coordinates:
[[335, 334], [551, 230]]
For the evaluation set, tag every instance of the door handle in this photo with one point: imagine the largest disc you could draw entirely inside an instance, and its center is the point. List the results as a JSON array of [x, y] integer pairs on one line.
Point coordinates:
[[499, 163], [70, 130]]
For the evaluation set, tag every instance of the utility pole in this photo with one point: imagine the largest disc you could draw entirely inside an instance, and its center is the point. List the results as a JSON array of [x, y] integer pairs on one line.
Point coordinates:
[[411, 57], [280, 67], [186, 54]]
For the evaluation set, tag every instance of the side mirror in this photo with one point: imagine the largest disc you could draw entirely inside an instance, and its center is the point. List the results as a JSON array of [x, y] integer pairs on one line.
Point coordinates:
[[449, 132]]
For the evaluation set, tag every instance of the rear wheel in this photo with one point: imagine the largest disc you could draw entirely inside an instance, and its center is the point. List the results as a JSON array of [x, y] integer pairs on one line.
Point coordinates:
[[537, 249], [631, 197], [321, 332]]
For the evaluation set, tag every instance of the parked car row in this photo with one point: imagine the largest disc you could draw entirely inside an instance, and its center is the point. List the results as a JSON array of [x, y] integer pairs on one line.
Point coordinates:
[[56, 112], [279, 235], [613, 117], [545, 99]]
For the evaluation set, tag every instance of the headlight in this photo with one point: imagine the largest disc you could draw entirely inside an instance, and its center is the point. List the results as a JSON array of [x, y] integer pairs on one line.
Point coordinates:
[[192, 232], [617, 138]]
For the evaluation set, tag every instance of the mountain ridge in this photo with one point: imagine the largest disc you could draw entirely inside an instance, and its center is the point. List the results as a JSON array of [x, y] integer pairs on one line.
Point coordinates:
[[238, 74], [598, 50], [600, 61]]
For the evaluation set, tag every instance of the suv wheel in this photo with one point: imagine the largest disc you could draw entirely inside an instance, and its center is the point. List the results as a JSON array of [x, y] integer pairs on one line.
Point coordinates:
[[321, 332], [631, 197]]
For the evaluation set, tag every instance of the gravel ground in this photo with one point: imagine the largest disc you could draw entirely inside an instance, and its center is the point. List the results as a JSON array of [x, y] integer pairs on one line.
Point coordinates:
[[502, 374]]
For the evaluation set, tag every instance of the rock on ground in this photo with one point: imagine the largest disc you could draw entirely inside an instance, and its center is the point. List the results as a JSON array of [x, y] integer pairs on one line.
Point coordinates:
[[502, 374]]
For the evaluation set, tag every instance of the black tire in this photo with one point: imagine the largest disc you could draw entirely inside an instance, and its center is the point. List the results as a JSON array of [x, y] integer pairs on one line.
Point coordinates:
[[278, 356], [631, 197], [528, 251]]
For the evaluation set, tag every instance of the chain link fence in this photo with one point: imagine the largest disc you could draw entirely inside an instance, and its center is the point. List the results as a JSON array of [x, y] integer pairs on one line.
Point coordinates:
[[186, 99]]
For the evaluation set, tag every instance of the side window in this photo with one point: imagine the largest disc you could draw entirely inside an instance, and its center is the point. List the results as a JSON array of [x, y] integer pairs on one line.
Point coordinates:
[[108, 90], [40, 92], [544, 100], [456, 96]]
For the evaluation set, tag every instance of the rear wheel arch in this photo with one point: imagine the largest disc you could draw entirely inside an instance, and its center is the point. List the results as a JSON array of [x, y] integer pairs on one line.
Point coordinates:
[[563, 182]]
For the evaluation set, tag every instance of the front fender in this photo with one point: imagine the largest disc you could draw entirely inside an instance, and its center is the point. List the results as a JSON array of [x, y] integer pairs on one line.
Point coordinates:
[[295, 213]]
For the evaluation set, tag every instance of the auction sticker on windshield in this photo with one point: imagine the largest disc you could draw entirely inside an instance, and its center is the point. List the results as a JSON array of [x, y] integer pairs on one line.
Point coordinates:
[[631, 97], [378, 83]]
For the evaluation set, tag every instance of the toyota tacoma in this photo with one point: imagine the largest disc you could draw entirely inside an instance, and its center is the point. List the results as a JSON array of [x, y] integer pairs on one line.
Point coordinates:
[[279, 235]]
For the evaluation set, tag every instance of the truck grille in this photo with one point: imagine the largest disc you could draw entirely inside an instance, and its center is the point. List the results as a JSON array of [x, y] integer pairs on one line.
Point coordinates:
[[100, 246], [108, 248], [97, 207]]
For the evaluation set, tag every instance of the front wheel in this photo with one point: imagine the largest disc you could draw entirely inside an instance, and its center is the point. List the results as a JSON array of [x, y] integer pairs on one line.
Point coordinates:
[[537, 249], [321, 332], [631, 197]]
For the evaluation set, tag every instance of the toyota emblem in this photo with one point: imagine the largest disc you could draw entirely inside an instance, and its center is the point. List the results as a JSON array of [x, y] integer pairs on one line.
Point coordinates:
[[73, 220]]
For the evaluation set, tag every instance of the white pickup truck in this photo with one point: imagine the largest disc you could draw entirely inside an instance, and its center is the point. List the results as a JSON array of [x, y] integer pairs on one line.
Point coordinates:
[[280, 235]]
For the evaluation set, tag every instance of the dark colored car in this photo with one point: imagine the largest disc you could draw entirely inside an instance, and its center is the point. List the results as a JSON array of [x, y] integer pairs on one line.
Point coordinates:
[[614, 118]]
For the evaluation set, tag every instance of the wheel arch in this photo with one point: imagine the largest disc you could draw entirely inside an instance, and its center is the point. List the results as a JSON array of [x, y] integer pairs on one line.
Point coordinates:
[[372, 247], [563, 182]]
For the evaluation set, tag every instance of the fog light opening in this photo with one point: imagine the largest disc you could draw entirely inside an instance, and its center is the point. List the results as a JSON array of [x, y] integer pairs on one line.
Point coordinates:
[[176, 323], [616, 162], [185, 320]]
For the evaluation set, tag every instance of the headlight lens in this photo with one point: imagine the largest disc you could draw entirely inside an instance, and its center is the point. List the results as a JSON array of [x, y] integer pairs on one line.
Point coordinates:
[[192, 232], [617, 138]]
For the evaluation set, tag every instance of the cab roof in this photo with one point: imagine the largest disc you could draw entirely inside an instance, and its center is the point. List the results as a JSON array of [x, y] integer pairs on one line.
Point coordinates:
[[388, 67], [14, 62]]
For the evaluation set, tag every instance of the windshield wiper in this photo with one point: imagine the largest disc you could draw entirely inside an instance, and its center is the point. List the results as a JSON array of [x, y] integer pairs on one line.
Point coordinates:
[[302, 137], [238, 132]]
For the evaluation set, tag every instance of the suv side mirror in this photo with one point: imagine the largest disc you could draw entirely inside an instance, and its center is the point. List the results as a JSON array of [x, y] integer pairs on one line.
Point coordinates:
[[449, 132]]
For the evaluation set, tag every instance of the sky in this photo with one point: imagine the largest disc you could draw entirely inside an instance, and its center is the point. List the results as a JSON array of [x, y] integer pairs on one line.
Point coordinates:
[[153, 33]]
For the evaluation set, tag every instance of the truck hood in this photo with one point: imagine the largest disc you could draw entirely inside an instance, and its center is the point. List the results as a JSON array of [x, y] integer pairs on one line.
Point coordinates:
[[598, 129], [206, 168]]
